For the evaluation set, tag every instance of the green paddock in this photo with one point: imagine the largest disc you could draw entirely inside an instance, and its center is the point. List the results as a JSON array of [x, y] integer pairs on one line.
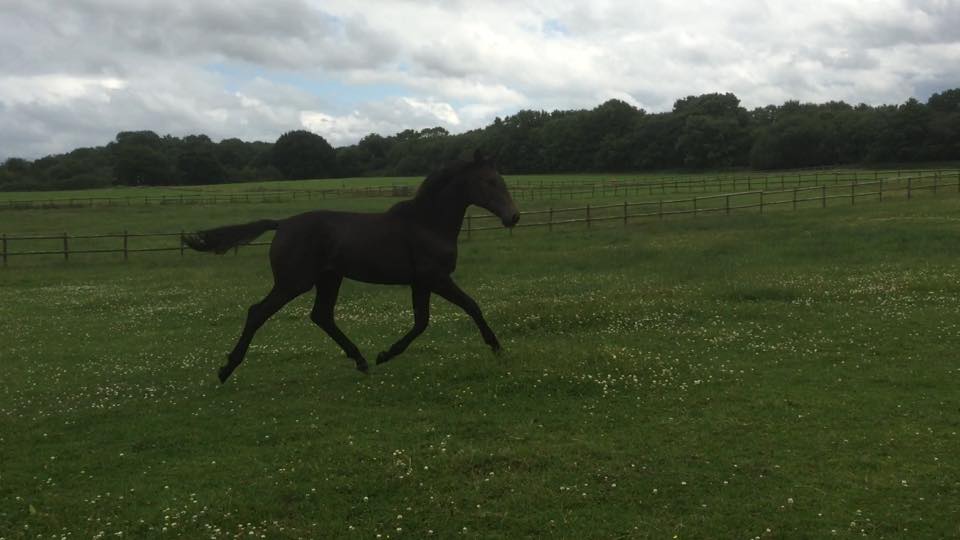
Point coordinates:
[[775, 374]]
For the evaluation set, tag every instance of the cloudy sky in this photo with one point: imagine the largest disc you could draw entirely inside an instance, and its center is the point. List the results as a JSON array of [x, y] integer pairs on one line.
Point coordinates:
[[75, 72]]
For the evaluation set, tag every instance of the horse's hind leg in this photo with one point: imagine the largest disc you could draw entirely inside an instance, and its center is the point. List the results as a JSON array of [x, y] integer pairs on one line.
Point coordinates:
[[421, 318], [328, 286], [256, 316]]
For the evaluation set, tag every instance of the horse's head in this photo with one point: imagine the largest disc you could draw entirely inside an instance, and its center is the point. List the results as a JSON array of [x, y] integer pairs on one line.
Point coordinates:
[[488, 190]]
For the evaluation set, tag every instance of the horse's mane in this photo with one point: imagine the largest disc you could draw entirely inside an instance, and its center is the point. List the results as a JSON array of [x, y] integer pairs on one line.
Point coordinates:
[[438, 179], [433, 184]]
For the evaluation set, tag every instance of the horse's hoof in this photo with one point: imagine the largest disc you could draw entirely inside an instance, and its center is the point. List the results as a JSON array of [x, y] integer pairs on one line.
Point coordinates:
[[497, 350], [222, 374], [363, 368], [382, 357]]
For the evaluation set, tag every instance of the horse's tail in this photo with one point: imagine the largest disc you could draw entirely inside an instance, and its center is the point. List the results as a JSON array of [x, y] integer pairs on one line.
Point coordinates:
[[222, 239]]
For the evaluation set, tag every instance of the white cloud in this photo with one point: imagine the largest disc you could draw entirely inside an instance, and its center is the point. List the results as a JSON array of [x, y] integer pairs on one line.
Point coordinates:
[[56, 89], [439, 110], [337, 129], [385, 118]]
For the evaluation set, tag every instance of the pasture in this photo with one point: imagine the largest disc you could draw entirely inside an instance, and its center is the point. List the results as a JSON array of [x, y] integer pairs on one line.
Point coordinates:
[[785, 374]]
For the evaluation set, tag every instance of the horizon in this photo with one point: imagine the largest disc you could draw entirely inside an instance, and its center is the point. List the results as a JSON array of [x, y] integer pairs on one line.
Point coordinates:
[[387, 135]]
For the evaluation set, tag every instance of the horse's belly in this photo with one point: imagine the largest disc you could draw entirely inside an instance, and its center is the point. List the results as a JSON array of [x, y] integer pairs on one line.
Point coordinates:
[[384, 267], [373, 275]]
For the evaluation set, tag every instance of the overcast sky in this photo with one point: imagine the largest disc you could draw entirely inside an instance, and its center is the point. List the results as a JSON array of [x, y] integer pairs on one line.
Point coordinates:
[[75, 72]]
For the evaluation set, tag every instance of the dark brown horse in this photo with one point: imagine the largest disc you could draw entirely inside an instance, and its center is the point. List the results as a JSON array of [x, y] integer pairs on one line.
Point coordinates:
[[413, 243]]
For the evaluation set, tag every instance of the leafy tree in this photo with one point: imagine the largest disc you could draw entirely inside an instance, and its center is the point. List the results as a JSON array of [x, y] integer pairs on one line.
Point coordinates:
[[945, 102], [138, 159], [709, 130], [16, 165], [200, 167], [302, 154], [372, 152], [714, 131], [140, 165], [656, 146], [143, 138]]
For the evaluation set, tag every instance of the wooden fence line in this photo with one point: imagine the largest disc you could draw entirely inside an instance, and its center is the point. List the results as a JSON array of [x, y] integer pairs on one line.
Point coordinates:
[[554, 216], [522, 189]]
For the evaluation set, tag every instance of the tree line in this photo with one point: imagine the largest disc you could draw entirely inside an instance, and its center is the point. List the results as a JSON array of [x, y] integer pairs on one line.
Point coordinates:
[[709, 131]]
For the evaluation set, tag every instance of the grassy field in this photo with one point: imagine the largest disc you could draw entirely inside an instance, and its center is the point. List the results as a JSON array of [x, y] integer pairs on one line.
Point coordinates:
[[785, 375]]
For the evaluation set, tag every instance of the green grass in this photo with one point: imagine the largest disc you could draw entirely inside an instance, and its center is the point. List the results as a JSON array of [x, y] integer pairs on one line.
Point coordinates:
[[778, 375]]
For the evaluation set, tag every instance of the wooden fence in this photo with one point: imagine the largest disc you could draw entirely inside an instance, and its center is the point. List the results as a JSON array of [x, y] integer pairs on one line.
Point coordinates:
[[716, 184], [725, 203], [210, 198], [522, 189], [65, 245]]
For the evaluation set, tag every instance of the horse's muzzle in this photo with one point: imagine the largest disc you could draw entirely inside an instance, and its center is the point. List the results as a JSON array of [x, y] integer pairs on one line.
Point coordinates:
[[512, 220]]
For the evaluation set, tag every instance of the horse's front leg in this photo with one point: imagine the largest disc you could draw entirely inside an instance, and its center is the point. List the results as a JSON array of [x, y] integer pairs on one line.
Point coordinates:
[[421, 318], [449, 290]]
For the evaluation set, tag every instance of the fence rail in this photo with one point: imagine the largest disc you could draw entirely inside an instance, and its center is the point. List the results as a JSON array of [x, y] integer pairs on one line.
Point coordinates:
[[522, 189], [64, 244], [209, 198]]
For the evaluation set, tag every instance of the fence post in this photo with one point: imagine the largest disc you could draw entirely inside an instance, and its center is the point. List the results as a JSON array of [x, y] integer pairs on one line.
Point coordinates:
[[823, 197], [694, 207], [4, 249], [66, 248], [182, 238], [909, 187], [761, 202], [125, 245], [853, 194], [588, 216], [660, 211], [794, 198], [624, 212], [550, 220]]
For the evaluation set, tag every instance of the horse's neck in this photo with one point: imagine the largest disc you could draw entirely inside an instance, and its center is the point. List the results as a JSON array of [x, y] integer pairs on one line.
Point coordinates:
[[448, 218], [443, 214]]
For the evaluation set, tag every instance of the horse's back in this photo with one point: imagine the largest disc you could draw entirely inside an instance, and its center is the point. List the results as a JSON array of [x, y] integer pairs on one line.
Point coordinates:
[[363, 246]]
